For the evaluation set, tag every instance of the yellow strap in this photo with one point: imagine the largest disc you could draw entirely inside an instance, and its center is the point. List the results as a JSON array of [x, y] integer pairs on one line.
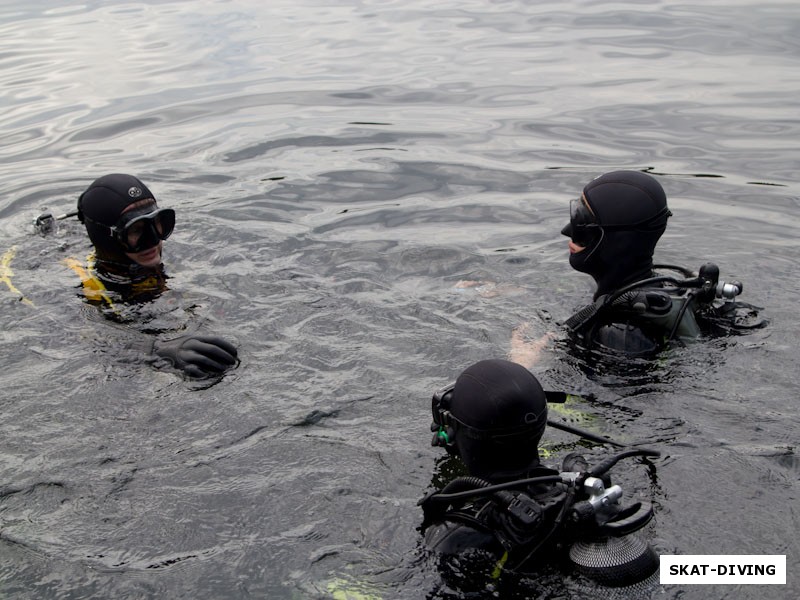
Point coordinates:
[[498, 567], [342, 589], [6, 274], [93, 288]]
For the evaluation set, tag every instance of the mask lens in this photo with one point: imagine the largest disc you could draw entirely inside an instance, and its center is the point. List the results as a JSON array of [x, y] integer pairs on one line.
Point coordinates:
[[440, 404], [134, 232], [584, 226], [145, 231], [579, 214], [164, 222]]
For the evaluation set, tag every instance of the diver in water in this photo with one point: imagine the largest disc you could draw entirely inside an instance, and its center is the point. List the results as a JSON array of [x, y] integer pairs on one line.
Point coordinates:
[[127, 229], [512, 515], [614, 228]]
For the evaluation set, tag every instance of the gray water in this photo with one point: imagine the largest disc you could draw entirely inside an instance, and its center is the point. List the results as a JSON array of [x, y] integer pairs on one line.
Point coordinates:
[[337, 169]]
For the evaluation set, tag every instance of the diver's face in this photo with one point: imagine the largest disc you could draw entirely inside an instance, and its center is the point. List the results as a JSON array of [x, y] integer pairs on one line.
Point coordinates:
[[147, 258], [143, 230]]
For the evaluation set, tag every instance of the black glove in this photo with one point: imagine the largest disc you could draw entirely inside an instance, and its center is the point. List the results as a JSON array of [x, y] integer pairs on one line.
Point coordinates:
[[197, 355]]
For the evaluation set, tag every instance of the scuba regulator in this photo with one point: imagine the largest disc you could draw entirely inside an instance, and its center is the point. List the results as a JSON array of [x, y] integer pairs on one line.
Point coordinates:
[[663, 299], [714, 288], [590, 515]]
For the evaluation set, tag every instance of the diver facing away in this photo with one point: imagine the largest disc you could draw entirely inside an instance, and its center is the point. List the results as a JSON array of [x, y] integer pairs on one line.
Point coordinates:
[[127, 229], [614, 228], [512, 514]]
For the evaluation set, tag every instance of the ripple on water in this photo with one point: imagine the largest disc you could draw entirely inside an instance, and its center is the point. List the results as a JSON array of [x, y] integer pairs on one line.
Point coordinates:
[[369, 199]]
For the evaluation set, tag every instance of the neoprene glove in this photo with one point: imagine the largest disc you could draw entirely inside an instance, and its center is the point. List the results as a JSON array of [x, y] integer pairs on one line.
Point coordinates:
[[197, 355]]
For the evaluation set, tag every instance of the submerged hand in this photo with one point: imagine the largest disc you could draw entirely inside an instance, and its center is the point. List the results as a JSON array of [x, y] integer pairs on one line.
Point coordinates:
[[197, 355], [524, 351]]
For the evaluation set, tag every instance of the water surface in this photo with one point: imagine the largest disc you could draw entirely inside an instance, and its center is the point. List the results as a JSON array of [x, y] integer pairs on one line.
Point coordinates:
[[337, 169]]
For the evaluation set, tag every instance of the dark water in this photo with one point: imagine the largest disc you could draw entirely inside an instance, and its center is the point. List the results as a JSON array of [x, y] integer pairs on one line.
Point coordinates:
[[337, 169]]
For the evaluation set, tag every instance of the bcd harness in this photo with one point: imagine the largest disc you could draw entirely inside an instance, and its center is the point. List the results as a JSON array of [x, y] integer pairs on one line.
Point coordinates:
[[94, 289], [666, 303], [581, 502]]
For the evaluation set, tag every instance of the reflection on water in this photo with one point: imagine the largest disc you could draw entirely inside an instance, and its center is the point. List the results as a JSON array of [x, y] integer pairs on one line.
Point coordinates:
[[337, 169]]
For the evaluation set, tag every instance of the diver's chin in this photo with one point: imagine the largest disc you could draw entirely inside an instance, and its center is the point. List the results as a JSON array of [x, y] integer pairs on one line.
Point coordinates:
[[149, 258]]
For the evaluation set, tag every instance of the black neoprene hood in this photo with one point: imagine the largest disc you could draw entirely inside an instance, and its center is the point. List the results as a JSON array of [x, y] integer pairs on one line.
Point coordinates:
[[630, 208], [624, 198], [101, 206], [505, 408]]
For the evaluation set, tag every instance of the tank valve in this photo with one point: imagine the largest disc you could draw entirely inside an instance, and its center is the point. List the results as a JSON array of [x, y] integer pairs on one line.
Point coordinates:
[[729, 290]]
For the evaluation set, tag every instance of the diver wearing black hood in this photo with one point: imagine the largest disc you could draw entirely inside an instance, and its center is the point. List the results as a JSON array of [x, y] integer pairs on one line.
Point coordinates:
[[124, 222], [512, 514], [614, 228], [127, 230]]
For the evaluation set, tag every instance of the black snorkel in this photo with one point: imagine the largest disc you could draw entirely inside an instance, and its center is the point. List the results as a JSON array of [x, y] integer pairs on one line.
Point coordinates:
[[46, 222]]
